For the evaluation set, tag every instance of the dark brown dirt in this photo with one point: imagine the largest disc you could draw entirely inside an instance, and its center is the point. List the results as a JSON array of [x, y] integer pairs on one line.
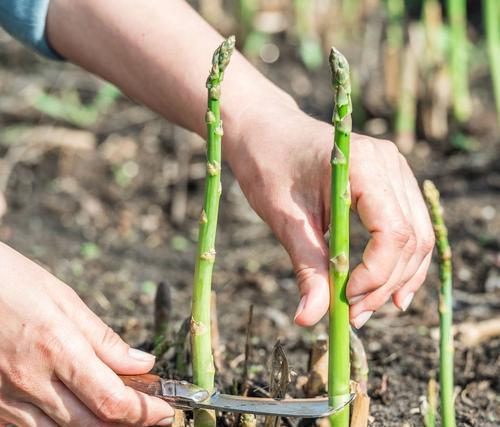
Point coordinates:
[[112, 241]]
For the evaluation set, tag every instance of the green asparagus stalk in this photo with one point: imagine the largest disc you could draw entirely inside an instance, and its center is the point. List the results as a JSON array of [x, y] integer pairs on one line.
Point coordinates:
[[246, 10], [491, 12], [338, 358], [203, 365], [457, 16], [406, 114], [310, 43], [393, 49], [445, 306], [395, 18]]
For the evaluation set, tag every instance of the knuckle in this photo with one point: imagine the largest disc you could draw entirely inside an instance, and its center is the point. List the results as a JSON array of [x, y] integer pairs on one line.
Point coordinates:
[[428, 243], [304, 274], [110, 338], [411, 243], [112, 406], [19, 380], [400, 233], [378, 277], [49, 345], [389, 146]]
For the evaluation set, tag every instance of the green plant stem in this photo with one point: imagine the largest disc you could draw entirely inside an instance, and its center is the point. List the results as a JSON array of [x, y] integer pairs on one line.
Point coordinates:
[[491, 15], [247, 10], [457, 17], [310, 49], [407, 106], [203, 365], [395, 24], [445, 306], [338, 358]]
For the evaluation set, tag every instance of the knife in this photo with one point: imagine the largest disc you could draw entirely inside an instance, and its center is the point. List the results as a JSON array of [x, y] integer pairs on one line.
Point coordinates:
[[186, 396]]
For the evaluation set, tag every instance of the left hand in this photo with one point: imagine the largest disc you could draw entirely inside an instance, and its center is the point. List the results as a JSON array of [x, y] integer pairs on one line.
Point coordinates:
[[283, 166]]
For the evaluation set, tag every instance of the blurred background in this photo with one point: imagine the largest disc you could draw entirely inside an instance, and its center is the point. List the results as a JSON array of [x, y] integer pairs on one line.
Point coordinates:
[[106, 194]]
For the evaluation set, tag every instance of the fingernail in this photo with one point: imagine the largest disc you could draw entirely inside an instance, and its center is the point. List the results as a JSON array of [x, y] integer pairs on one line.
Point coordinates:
[[362, 319], [166, 421], [301, 306], [407, 301], [140, 355], [357, 298]]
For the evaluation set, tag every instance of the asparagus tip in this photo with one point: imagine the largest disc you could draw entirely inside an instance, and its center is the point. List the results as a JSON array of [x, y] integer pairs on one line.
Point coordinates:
[[339, 67], [220, 60], [431, 193]]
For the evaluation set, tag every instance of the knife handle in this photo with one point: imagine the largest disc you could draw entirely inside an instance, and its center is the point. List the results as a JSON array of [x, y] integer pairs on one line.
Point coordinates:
[[145, 383]]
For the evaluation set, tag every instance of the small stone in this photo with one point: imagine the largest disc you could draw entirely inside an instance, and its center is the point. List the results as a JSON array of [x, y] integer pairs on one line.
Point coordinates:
[[464, 274], [488, 213], [492, 283]]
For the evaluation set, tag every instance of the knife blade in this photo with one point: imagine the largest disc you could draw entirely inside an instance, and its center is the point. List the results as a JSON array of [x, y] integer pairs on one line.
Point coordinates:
[[186, 396]]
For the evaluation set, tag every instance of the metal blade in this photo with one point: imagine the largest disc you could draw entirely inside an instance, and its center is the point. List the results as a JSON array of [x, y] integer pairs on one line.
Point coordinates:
[[303, 408]]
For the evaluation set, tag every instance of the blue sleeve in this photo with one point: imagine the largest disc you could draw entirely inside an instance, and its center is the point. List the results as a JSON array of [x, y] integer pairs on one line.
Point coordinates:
[[25, 20]]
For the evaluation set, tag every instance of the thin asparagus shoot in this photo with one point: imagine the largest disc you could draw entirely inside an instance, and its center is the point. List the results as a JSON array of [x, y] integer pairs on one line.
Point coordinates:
[[395, 10], [338, 359], [445, 306], [310, 43], [491, 12], [457, 16], [203, 364]]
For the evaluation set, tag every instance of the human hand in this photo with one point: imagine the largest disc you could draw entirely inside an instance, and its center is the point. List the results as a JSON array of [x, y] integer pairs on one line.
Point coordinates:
[[58, 360], [283, 166]]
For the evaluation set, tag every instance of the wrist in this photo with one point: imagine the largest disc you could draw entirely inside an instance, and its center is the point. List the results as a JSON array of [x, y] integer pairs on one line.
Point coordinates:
[[256, 121]]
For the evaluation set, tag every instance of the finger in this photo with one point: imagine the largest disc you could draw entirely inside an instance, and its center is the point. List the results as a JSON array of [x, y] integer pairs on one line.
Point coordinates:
[[108, 345], [64, 408], [306, 246], [394, 165], [24, 415], [390, 231], [423, 227], [361, 312], [100, 389], [403, 297]]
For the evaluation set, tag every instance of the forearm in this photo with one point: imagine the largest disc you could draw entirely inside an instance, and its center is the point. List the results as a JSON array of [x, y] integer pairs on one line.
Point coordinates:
[[159, 52]]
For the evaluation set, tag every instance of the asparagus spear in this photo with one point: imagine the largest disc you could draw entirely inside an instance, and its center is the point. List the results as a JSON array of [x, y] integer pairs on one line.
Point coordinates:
[[395, 10], [491, 12], [203, 365], [310, 43], [338, 359], [457, 15], [445, 306]]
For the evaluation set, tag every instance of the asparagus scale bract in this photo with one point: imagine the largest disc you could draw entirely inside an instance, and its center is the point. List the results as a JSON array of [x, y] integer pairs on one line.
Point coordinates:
[[203, 365], [446, 349], [339, 364]]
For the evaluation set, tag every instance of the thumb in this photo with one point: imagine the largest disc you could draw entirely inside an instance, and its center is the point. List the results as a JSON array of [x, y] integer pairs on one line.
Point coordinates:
[[108, 345], [309, 254], [117, 354]]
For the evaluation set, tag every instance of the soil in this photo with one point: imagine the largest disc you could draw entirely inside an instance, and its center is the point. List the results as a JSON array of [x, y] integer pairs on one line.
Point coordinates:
[[104, 225]]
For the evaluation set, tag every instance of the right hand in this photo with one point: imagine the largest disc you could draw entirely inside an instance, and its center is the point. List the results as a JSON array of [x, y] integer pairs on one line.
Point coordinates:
[[58, 360]]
